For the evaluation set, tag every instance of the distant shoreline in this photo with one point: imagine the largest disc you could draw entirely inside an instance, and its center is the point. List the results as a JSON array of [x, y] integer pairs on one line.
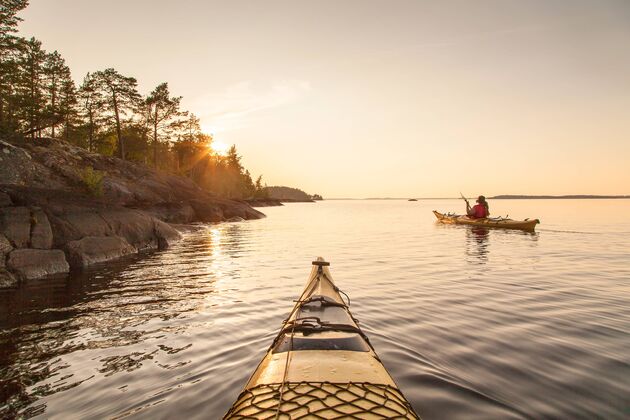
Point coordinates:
[[499, 197], [556, 197]]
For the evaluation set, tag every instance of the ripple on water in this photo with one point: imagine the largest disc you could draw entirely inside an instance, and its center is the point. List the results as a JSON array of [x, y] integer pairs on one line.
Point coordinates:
[[471, 323]]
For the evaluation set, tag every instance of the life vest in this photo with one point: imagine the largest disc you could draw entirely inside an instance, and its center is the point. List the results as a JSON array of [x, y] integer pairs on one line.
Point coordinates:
[[479, 211]]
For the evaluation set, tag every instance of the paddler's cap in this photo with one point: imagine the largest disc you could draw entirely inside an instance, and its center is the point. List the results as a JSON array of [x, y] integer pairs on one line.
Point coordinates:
[[481, 199]]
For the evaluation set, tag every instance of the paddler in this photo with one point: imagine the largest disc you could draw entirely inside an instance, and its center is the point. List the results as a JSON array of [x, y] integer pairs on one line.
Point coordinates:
[[481, 210]]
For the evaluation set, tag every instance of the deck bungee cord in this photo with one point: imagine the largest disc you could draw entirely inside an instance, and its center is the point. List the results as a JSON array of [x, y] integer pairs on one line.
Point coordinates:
[[321, 365]]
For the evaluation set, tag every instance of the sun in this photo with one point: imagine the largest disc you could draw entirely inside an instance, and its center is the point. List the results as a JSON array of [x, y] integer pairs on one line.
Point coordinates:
[[219, 148]]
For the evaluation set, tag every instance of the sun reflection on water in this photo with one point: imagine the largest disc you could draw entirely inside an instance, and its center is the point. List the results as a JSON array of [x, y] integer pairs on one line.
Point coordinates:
[[185, 327]]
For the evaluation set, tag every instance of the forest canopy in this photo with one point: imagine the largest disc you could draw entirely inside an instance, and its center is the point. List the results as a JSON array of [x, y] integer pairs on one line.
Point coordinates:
[[106, 114]]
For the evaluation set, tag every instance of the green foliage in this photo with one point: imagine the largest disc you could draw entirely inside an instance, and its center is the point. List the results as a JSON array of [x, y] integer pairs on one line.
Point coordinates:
[[106, 145], [91, 107], [59, 90], [37, 93], [8, 15], [11, 74], [137, 141], [163, 116], [288, 194], [120, 99], [93, 180], [77, 135], [225, 175], [107, 115], [260, 191], [191, 153]]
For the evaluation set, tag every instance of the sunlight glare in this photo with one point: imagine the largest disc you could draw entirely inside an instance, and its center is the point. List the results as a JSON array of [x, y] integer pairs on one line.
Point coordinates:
[[219, 148]]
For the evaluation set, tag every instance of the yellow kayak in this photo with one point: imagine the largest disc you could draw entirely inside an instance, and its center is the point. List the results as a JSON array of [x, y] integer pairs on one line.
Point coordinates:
[[321, 365], [492, 222]]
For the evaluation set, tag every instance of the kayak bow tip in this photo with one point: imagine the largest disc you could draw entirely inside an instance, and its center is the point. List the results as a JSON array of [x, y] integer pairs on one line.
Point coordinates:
[[320, 262]]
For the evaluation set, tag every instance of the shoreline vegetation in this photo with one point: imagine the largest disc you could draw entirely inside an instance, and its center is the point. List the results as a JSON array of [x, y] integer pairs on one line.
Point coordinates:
[[97, 171], [277, 195], [291, 195], [106, 114], [58, 211]]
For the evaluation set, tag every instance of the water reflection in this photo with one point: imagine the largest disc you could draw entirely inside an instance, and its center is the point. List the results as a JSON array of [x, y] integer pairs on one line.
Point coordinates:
[[545, 317], [477, 241], [129, 312]]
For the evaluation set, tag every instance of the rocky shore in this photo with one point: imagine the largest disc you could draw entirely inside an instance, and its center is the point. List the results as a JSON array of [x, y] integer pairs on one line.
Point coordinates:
[[264, 202], [51, 221]]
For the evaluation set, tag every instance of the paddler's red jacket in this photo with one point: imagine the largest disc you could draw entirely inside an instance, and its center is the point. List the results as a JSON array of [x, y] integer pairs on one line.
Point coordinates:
[[478, 212]]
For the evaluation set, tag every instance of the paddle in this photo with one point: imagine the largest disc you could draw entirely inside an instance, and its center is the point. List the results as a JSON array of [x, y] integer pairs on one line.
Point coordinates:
[[465, 199], [467, 203]]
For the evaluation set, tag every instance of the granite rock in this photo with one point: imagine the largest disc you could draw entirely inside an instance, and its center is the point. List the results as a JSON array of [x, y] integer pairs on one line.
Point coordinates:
[[92, 250], [37, 263], [15, 225]]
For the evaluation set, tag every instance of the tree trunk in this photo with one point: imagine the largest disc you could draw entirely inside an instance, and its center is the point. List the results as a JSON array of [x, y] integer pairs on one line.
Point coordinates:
[[31, 115], [155, 137], [53, 101], [121, 143], [91, 134], [1, 109], [33, 104]]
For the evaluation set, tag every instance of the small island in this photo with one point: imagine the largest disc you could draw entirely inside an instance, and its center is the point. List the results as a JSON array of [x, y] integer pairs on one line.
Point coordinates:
[[291, 195]]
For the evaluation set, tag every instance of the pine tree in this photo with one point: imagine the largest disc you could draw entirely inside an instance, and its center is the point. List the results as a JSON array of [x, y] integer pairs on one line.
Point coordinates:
[[8, 16], [10, 51], [121, 99], [163, 113], [247, 185], [233, 159], [38, 95], [10, 78], [192, 147], [68, 105], [31, 87], [57, 77], [190, 129], [235, 182], [91, 102], [260, 190]]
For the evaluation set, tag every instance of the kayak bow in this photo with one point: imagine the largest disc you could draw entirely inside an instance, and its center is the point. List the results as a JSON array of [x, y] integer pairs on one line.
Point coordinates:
[[321, 365], [498, 222]]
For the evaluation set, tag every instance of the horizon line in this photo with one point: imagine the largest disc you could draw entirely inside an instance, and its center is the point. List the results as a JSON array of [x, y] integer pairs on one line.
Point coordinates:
[[497, 197]]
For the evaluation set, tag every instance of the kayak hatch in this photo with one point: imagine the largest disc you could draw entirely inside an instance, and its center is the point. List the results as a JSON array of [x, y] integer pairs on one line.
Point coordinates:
[[321, 365]]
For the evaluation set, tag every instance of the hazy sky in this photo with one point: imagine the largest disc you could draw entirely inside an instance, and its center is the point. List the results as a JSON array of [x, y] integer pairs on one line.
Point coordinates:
[[381, 98]]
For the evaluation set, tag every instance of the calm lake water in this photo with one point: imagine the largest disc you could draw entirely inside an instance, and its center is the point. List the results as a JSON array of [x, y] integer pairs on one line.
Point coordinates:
[[470, 323]]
